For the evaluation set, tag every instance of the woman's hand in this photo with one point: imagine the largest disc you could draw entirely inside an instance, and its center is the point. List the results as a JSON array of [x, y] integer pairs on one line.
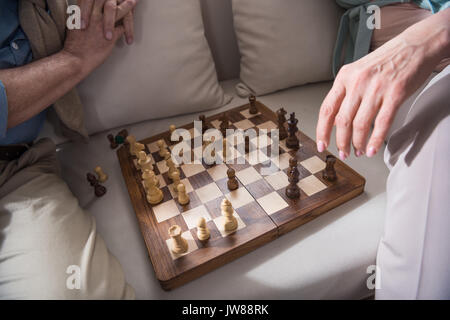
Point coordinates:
[[113, 11], [372, 89]]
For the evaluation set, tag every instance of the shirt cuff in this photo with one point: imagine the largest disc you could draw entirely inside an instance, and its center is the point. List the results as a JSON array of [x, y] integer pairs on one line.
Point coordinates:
[[3, 111]]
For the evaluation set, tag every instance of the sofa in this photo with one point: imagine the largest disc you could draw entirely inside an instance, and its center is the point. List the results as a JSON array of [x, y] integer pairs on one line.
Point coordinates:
[[328, 258]]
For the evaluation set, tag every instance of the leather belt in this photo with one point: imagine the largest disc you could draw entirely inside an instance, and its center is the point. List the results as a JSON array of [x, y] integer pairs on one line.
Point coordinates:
[[13, 152]]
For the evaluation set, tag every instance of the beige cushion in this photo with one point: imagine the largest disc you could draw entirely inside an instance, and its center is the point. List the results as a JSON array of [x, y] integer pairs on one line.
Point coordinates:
[[168, 71], [284, 43]]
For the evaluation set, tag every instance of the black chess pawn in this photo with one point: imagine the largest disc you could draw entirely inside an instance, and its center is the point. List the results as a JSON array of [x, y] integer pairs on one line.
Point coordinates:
[[292, 190], [281, 115], [205, 127], [253, 109], [99, 190], [232, 182], [329, 173], [112, 141], [292, 141]]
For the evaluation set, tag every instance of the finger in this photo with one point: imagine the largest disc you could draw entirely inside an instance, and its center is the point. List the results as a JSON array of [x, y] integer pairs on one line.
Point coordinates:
[[363, 120], [109, 18], [86, 10], [128, 24], [124, 8], [382, 124], [118, 33], [328, 110], [344, 120], [98, 7]]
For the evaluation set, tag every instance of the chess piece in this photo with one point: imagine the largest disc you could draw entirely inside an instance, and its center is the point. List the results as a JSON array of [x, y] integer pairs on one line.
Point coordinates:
[[183, 198], [224, 124], [172, 129], [329, 173], [281, 115], [202, 230], [121, 136], [138, 147], [179, 244], [131, 140], [230, 223], [232, 182], [292, 140], [112, 141], [101, 176], [253, 109], [144, 161], [154, 194], [150, 175], [247, 144], [292, 190], [99, 190], [176, 180], [205, 126], [162, 149], [225, 149], [172, 168]]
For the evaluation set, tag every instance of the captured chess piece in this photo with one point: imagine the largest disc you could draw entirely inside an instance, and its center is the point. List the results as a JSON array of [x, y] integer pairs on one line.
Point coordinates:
[[112, 142], [292, 141], [292, 190], [230, 223], [183, 198], [253, 109], [329, 173], [101, 176], [99, 190], [205, 126], [232, 182], [121, 136], [179, 244], [281, 115], [203, 233]]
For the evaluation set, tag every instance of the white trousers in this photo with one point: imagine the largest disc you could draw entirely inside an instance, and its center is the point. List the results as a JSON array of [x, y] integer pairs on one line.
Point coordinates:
[[414, 253]]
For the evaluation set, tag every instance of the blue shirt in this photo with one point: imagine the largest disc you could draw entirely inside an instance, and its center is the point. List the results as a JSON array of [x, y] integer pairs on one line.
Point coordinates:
[[15, 51]]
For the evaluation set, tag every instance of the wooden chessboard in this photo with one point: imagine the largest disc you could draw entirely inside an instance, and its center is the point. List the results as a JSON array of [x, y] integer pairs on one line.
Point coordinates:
[[262, 209]]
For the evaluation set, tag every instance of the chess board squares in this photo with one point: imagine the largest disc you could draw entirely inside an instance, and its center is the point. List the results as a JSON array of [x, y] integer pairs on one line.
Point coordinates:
[[261, 141], [313, 164], [192, 245], [244, 124], [216, 124], [269, 125], [220, 221], [267, 168], [239, 197], [256, 157], [278, 180], [248, 175], [311, 185], [165, 210], [162, 167], [282, 161], [153, 146], [200, 180], [247, 115], [218, 172], [192, 169], [208, 193], [272, 203], [162, 182], [192, 216]]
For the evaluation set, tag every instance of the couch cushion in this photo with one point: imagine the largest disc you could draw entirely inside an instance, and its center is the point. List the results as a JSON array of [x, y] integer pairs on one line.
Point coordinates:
[[326, 258], [284, 43], [168, 71]]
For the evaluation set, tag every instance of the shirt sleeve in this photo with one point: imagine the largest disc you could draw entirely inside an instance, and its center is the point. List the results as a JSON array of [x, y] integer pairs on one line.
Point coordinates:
[[3, 111]]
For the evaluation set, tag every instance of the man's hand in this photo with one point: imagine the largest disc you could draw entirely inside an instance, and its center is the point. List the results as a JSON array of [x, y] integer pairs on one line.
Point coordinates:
[[372, 89], [89, 46], [113, 12]]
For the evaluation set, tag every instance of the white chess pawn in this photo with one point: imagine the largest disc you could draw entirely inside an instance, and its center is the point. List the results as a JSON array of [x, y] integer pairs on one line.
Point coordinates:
[[172, 168], [172, 129], [183, 198], [176, 181], [179, 244], [154, 194], [131, 141], [101, 176], [144, 161], [202, 230], [162, 148], [230, 223]]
